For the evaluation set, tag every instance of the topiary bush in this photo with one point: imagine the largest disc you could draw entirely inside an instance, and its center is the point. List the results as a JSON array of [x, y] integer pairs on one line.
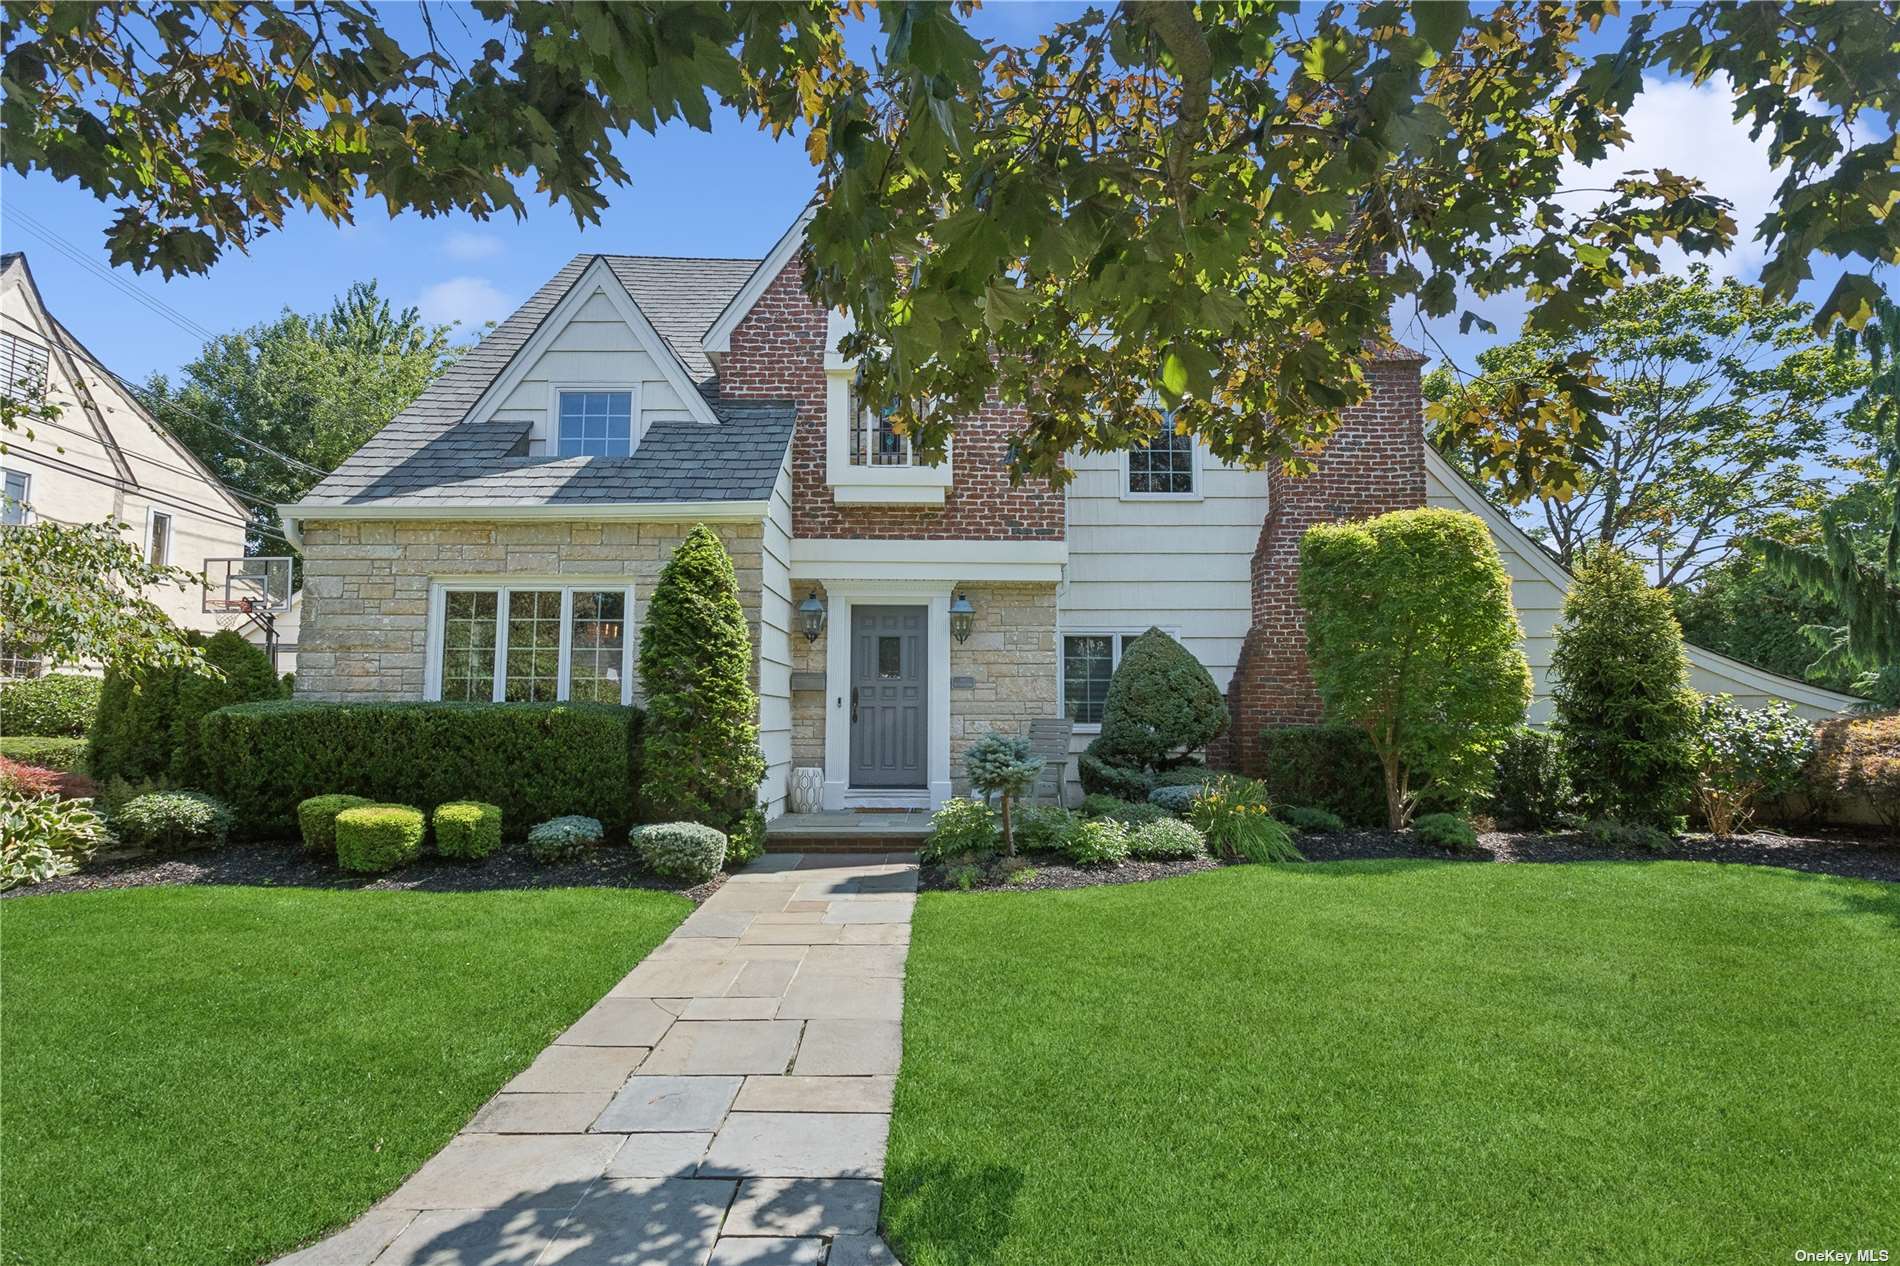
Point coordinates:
[[1411, 637], [1745, 757], [682, 850], [374, 838], [1161, 705], [1190, 775], [1004, 766], [1330, 767], [1042, 828], [1531, 788], [1165, 840], [701, 745], [1097, 842], [67, 755], [316, 820], [1103, 775], [564, 839], [468, 829], [247, 678], [1127, 812], [1309, 821], [1625, 715], [960, 826], [1857, 759], [1445, 830], [1176, 799], [168, 821], [531, 759], [59, 705]]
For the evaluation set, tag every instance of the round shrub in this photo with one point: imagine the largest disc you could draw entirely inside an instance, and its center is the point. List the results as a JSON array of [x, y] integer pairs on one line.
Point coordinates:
[[172, 820], [1531, 788], [960, 826], [1176, 799], [682, 850], [1165, 840], [1127, 812], [316, 820], [1857, 758], [1445, 830], [1610, 833], [1042, 828], [60, 705], [1098, 842], [563, 839], [377, 837], [467, 829], [1312, 821]]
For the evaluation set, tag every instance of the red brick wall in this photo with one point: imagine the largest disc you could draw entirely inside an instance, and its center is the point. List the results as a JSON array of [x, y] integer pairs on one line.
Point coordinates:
[[1373, 463], [778, 353]]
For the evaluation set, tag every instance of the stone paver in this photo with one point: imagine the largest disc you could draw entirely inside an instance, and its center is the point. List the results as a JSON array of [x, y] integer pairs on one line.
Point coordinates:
[[727, 1104]]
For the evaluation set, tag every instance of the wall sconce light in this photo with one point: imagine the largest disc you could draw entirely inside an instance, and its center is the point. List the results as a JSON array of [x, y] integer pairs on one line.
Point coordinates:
[[962, 618], [811, 614]]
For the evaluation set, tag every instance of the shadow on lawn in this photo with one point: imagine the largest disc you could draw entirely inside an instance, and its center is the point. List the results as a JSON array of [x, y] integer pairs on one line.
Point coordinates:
[[962, 1210]]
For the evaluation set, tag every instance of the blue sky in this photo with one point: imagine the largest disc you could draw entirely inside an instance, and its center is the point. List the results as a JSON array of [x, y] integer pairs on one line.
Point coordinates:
[[727, 193]]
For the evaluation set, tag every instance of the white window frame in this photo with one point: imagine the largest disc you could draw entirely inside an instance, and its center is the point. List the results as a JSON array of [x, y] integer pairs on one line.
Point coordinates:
[[636, 430], [152, 516], [439, 590], [26, 496], [1194, 448], [909, 485], [1119, 633]]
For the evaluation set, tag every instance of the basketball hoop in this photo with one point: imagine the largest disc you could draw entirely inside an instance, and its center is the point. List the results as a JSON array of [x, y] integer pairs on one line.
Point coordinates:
[[240, 592]]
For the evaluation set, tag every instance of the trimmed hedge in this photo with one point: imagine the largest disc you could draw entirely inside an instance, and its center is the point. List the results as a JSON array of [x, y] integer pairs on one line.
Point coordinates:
[[1330, 767], [531, 760], [467, 829], [682, 850], [376, 837], [59, 705], [316, 819], [67, 755]]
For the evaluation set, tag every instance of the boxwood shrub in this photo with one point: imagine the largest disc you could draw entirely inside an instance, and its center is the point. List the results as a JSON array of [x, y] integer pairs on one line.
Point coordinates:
[[468, 829], [373, 838], [59, 705], [172, 820], [683, 850], [316, 819], [531, 760]]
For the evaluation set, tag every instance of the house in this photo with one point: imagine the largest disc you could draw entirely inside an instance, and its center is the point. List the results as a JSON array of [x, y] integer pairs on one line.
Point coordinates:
[[498, 539], [104, 456]]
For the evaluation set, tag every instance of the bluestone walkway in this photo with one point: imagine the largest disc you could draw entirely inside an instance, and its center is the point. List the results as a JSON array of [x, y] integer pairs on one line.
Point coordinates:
[[727, 1102]]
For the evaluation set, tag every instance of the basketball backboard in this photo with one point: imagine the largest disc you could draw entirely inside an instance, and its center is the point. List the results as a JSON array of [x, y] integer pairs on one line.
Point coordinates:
[[247, 587]]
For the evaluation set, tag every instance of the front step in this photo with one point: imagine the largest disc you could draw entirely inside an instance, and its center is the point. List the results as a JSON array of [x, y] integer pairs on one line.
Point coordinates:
[[847, 832]]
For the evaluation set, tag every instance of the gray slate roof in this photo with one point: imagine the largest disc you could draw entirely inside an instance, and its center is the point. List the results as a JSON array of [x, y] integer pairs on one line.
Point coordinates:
[[428, 455]]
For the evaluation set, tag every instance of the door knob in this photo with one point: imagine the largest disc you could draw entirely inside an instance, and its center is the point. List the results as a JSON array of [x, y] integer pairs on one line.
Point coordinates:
[[854, 703]]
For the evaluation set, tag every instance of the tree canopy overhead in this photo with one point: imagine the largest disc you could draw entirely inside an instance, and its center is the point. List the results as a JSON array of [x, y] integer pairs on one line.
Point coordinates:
[[1207, 209]]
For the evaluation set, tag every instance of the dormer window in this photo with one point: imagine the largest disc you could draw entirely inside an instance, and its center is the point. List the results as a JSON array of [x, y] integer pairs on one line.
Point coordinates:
[[594, 424]]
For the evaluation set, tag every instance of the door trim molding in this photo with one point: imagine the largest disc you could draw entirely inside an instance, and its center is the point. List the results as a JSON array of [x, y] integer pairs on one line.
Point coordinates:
[[934, 596]]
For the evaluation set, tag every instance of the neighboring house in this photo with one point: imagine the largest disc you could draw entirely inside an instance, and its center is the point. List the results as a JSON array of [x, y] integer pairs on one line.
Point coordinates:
[[104, 456], [500, 538]]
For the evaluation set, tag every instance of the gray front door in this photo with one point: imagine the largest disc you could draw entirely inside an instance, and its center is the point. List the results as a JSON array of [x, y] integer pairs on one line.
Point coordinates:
[[887, 696]]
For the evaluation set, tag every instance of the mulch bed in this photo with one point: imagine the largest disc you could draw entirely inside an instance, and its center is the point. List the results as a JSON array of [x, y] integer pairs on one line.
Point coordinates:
[[288, 865], [1822, 853]]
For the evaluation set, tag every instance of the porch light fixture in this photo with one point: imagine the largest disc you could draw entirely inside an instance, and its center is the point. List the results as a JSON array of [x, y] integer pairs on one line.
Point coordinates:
[[811, 614], [962, 618]]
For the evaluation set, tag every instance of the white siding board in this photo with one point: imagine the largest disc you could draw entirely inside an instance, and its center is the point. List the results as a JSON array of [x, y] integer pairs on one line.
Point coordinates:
[[775, 647]]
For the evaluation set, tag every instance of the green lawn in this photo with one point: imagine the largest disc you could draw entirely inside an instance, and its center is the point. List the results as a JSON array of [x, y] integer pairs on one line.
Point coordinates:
[[213, 1075], [1408, 1062]]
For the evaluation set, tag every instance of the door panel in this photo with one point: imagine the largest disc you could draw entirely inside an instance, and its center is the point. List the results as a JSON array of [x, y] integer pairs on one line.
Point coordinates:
[[888, 696]]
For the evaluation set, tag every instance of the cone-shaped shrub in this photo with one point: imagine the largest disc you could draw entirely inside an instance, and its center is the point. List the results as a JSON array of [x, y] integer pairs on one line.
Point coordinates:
[[1161, 704], [1625, 713], [700, 749]]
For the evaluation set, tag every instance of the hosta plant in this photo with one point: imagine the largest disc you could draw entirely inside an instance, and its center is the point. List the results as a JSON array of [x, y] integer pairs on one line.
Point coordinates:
[[43, 837]]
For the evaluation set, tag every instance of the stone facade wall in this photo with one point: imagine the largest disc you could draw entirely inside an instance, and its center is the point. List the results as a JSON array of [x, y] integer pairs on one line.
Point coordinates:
[[778, 353], [1374, 462], [808, 706], [1012, 655], [366, 587]]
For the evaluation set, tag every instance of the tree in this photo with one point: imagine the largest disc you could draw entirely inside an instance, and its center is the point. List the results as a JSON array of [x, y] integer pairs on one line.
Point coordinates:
[[700, 758], [246, 676], [310, 387], [1002, 765], [1743, 609], [1625, 713], [1719, 409], [1198, 204], [1162, 705], [1412, 638]]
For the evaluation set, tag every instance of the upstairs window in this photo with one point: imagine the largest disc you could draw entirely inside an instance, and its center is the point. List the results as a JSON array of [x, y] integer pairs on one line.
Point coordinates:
[[1163, 467], [875, 440], [22, 368], [595, 424]]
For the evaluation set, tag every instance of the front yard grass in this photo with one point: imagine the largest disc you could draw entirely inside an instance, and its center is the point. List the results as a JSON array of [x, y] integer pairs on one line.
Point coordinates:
[[217, 1074], [1402, 1061]]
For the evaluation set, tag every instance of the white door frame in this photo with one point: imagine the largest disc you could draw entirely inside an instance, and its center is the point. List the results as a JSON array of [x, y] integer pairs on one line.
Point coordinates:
[[841, 595]]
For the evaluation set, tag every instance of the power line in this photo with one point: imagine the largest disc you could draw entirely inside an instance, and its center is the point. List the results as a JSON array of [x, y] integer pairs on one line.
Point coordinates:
[[165, 466], [83, 258]]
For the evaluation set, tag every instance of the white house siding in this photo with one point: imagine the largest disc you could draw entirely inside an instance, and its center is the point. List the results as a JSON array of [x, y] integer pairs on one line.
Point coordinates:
[[775, 647], [1538, 586], [598, 348], [72, 468]]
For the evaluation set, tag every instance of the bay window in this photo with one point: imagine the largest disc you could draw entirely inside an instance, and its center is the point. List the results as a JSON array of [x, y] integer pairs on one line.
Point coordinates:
[[531, 643]]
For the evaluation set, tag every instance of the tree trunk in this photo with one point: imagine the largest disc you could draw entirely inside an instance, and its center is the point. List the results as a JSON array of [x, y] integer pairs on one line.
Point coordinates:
[[1009, 845], [1394, 792]]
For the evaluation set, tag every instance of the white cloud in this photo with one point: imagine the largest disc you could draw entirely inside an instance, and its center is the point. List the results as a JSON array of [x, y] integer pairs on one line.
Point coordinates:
[[468, 247], [470, 300], [1687, 128]]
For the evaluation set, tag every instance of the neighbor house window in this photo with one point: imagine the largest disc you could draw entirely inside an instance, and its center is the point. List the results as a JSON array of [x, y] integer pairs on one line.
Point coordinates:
[[15, 491], [595, 424], [1089, 660], [1163, 467], [158, 539], [532, 643], [22, 368]]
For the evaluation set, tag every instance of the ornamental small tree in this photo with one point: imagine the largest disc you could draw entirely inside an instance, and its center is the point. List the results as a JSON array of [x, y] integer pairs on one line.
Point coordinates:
[[1161, 706], [1625, 713], [1412, 638], [700, 743], [1001, 765]]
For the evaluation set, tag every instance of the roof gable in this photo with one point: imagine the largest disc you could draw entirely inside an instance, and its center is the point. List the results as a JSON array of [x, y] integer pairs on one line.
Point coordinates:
[[718, 336]]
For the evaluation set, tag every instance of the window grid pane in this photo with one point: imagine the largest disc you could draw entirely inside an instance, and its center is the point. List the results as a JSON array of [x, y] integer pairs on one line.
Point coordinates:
[[160, 547], [595, 424], [596, 642], [468, 646], [534, 646], [1088, 661], [1163, 465]]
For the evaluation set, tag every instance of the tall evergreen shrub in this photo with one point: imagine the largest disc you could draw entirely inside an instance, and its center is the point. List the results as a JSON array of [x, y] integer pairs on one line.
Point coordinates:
[[248, 678], [1625, 714], [148, 727], [700, 755]]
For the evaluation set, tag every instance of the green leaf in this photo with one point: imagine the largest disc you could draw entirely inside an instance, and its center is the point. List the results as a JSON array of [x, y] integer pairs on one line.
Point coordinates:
[[1440, 22]]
